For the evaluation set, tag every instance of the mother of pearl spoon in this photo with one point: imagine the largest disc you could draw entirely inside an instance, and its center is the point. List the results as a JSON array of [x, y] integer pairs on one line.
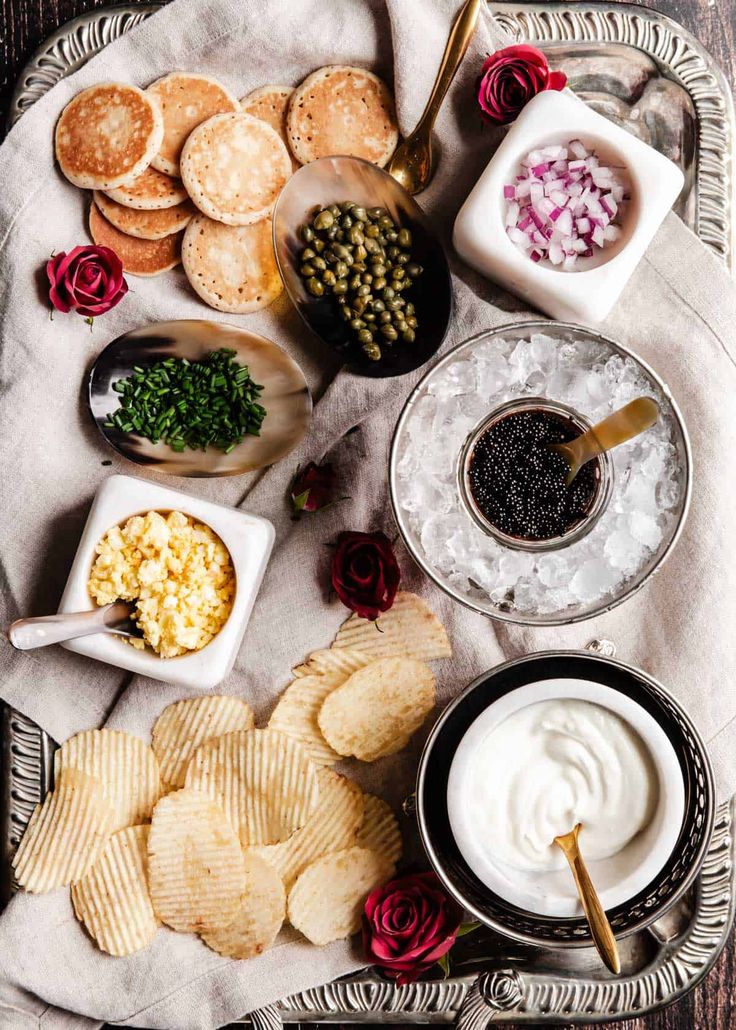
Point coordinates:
[[600, 928], [622, 425]]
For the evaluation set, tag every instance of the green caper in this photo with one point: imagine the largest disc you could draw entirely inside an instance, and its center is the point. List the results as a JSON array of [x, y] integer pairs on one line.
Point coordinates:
[[315, 287], [392, 236], [359, 305], [393, 252], [414, 270], [385, 223], [307, 270], [360, 253], [410, 319], [373, 351], [359, 213], [334, 210], [364, 290], [346, 312], [331, 234], [329, 278], [319, 263], [356, 236], [340, 288], [346, 206], [378, 306], [389, 333], [307, 233], [357, 323], [340, 269], [324, 220], [404, 238], [379, 282], [358, 266], [365, 336], [372, 246], [307, 254], [368, 316], [398, 273], [341, 251], [388, 294], [393, 305], [410, 308], [372, 232], [385, 317], [319, 245], [374, 213], [403, 259], [367, 277], [346, 222], [355, 282], [378, 268]]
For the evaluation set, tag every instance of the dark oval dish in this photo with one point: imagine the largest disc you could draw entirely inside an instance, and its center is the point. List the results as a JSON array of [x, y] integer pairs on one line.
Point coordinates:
[[673, 879], [331, 180]]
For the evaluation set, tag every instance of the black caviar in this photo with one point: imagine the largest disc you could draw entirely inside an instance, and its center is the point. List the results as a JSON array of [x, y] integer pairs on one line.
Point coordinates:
[[519, 485]]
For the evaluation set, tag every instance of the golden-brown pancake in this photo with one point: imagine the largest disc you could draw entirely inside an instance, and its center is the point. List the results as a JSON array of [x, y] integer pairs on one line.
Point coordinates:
[[186, 99], [139, 257], [150, 191], [342, 110], [234, 167], [146, 225], [231, 267], [107, 135], [270, 104]]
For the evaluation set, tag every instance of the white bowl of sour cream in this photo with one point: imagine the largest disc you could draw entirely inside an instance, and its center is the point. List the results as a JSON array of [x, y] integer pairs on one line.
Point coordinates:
[[551, 754]]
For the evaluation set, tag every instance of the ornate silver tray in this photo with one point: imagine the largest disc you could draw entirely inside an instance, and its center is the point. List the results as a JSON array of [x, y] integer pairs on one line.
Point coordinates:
[[646, 72]]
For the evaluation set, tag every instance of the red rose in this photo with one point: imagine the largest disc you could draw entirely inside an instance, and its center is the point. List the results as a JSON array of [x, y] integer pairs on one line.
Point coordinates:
[[87, 279], [312, 487], [408, 925], [510, 78], [365, 573]]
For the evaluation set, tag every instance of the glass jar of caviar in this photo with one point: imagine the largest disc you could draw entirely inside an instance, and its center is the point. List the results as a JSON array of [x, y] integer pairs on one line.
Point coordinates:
[[514, 485]]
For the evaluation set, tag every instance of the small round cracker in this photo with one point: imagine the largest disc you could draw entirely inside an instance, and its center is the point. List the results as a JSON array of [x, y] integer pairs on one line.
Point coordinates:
[[145, 225], [112, 898], [409, 628], [125, 766], [107, 135], [234, 167], [379, 830], [139, 257], [339, 110], [326, 902], [259, 917], [150, 191], [297, 714], [331, 827], [270, 104], [65, 835], [232, 267], [263, 780], [183, 726], [186, 100], [376, 711], [195, 864]]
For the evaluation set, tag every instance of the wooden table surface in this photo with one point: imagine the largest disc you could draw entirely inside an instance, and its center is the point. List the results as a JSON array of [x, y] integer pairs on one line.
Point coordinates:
[[26, 23]]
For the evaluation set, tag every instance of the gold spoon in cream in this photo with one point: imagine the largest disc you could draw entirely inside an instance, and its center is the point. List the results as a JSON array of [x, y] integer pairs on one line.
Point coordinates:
[[411, 165], [600, 928], [622, 425]]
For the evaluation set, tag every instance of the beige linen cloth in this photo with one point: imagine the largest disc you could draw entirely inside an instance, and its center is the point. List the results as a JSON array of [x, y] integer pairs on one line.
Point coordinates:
[[679, 313]]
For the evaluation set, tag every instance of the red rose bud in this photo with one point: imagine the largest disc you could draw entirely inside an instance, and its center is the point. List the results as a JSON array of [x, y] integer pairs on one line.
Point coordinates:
[[88, 280], [365, 573], [312, 487], [409, 924], [510, 78]]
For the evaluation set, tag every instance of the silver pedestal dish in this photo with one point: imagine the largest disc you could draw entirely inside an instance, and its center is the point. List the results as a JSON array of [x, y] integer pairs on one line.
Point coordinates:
[[644, 70]]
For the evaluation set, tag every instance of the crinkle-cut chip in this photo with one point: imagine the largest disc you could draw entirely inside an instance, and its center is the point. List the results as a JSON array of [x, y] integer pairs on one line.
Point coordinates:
[[112, 898], [331, 827], [332, 660], [65, 835], [259, 917], [379, 830], [125, 766], [183, 726], [375, 712], [263, 779], [297, 712], [409, 628], [326, 902], [196, 873]]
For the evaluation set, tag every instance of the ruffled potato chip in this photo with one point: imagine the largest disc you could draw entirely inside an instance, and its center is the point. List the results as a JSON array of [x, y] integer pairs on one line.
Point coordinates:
[[259, 917], [410, 628], [379, 830], [183, 726]]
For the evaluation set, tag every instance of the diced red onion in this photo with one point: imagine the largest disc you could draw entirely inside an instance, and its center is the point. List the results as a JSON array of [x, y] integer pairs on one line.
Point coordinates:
[[563, 204]]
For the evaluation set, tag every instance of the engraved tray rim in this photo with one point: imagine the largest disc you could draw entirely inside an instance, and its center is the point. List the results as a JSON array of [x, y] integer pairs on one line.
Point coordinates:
[[500, 994]]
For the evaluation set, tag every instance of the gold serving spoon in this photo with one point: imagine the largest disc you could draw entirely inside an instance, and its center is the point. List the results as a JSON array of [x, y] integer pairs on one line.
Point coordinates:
[[600, 928], [412, 164], [622, 425]]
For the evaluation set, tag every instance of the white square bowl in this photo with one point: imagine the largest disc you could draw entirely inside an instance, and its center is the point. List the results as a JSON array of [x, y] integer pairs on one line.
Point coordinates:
[[248, 538], [588, 293]]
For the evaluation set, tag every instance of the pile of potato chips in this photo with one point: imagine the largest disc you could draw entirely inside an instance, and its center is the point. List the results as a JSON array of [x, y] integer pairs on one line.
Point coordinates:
[[225, 830]]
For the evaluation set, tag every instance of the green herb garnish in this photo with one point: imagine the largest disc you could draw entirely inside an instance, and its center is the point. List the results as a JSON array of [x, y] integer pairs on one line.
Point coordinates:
[[196, 404]]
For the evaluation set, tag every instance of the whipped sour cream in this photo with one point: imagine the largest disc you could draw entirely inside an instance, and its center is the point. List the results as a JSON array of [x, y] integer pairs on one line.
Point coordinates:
[[554, 764]]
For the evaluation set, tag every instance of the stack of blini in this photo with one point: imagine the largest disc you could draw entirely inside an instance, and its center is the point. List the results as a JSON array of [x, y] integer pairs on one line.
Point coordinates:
[[183, 171]]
